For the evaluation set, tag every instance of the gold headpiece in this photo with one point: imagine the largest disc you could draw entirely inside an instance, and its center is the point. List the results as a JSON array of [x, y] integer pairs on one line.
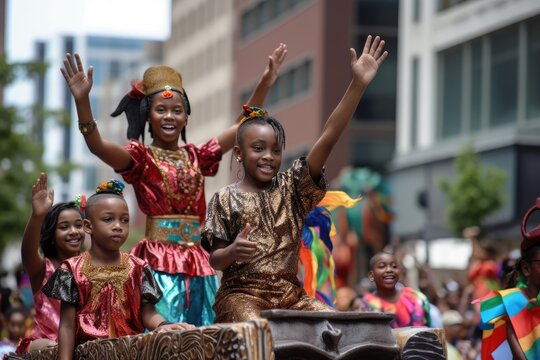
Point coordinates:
[[161, 77]]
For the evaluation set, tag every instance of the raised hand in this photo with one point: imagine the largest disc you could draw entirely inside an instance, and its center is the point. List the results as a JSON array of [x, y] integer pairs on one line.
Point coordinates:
[[243, 249], [366, 66], [79, 83], [275, 60], [42, 198]]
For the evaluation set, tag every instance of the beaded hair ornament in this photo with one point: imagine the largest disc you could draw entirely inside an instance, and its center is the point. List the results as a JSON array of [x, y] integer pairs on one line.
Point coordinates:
[[156, 79], [252, 112], [80, 202], [111, 186]]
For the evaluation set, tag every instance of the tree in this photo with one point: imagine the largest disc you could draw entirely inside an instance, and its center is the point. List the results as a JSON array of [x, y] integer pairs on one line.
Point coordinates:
[[20, 159], [476, 192]]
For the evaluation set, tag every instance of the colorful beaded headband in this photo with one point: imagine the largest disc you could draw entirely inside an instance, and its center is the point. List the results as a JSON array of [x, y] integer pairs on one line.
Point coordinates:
[[115, 186], [80, 202], [252, 112]]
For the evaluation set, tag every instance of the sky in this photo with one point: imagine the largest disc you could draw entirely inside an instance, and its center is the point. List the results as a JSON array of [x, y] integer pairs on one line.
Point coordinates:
[[31, 20]]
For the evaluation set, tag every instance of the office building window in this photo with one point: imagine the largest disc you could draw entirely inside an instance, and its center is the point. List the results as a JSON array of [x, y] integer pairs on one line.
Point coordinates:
[[504, 79], [447, 4], [266, 12], [414, 101], [377, 12], [292, 82], [450, 76], [479, 81], [416, 10], [533, 69]]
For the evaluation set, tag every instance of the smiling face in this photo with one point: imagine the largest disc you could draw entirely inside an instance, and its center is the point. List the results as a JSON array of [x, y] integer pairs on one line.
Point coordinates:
[[260, 155], [167, 118], [69, 233], [384, 272], [108, 223]]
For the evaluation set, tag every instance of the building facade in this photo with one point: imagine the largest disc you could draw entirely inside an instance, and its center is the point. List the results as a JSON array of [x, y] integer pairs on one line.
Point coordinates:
[[469, 74], [201, 49], [316, 73]]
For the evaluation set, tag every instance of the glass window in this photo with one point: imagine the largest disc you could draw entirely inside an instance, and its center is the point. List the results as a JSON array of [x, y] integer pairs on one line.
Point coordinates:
[[416, 11], [533, 69], [377, 12], [379, 100], [450, 70], [414, 101], [504, 79], [476, 85]]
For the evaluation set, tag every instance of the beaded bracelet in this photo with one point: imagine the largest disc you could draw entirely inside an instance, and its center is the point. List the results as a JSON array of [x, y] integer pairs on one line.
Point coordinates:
[[165, 322], [87, 128]]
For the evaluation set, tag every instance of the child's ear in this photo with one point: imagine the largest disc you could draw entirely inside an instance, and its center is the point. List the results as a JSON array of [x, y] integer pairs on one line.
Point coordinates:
[[370, 276], [237, 154], [87, 225]]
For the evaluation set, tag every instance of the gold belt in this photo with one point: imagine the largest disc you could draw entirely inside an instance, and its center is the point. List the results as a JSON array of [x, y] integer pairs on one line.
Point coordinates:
[[179, 229]]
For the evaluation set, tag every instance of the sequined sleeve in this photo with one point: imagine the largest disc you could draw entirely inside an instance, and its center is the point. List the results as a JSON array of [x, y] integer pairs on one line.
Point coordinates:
[[216, 223], [62, 286], [307, 191], [151, 293], [209, 155], [139, 155]]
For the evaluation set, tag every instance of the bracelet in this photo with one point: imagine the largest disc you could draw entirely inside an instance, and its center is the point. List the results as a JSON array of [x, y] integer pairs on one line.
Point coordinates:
[[87, 128], [165, 322]]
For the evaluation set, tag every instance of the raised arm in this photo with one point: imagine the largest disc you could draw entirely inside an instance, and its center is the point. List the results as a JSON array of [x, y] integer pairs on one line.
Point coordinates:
[[364, 70], [80, 85], [33, 263], [268, 78]]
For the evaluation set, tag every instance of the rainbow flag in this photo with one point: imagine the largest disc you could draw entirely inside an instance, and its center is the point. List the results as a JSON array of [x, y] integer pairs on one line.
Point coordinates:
[[499, 307]]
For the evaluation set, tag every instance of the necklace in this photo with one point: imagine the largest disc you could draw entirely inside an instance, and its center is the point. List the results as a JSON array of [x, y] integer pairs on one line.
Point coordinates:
[[189, 178]]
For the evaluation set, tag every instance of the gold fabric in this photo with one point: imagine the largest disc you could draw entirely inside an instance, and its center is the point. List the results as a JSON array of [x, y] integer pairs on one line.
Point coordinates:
[[276, 216], [157, 77], [179, 229], [100, 276]]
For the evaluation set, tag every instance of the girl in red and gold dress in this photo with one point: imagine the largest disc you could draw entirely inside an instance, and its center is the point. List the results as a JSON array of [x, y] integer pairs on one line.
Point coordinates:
[[168, 178]]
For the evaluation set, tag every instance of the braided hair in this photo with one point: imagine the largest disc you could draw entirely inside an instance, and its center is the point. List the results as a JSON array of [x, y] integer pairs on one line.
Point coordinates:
[[257, 116]]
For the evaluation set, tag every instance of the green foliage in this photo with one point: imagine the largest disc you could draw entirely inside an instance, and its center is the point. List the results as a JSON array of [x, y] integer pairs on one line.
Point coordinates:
[[475, 193], [20, 160]]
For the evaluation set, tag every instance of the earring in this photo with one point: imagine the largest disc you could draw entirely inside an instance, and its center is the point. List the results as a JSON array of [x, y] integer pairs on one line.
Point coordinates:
[[240, 169], [238, 160]]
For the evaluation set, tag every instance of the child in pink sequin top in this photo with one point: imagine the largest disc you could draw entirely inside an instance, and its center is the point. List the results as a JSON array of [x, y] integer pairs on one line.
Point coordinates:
[[58, 232]]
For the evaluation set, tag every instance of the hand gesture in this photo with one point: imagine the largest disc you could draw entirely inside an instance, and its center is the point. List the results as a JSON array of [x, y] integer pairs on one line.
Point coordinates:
[[79, 83], [42, 198], [365, 67], [243, 249], [275, 60]]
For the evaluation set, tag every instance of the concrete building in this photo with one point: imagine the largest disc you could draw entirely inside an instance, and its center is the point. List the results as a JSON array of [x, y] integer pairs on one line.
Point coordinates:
[[221, 48], [469, 73], [201, 49], [316, 73]]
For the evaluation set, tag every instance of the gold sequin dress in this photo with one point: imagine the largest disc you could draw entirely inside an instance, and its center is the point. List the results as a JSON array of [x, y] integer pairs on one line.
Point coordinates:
[[276, 216]]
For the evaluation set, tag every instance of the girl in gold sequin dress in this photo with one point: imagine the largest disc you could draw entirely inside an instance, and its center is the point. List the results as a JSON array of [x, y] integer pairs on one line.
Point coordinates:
[[253, 228], [105, 293], [168, 178]]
